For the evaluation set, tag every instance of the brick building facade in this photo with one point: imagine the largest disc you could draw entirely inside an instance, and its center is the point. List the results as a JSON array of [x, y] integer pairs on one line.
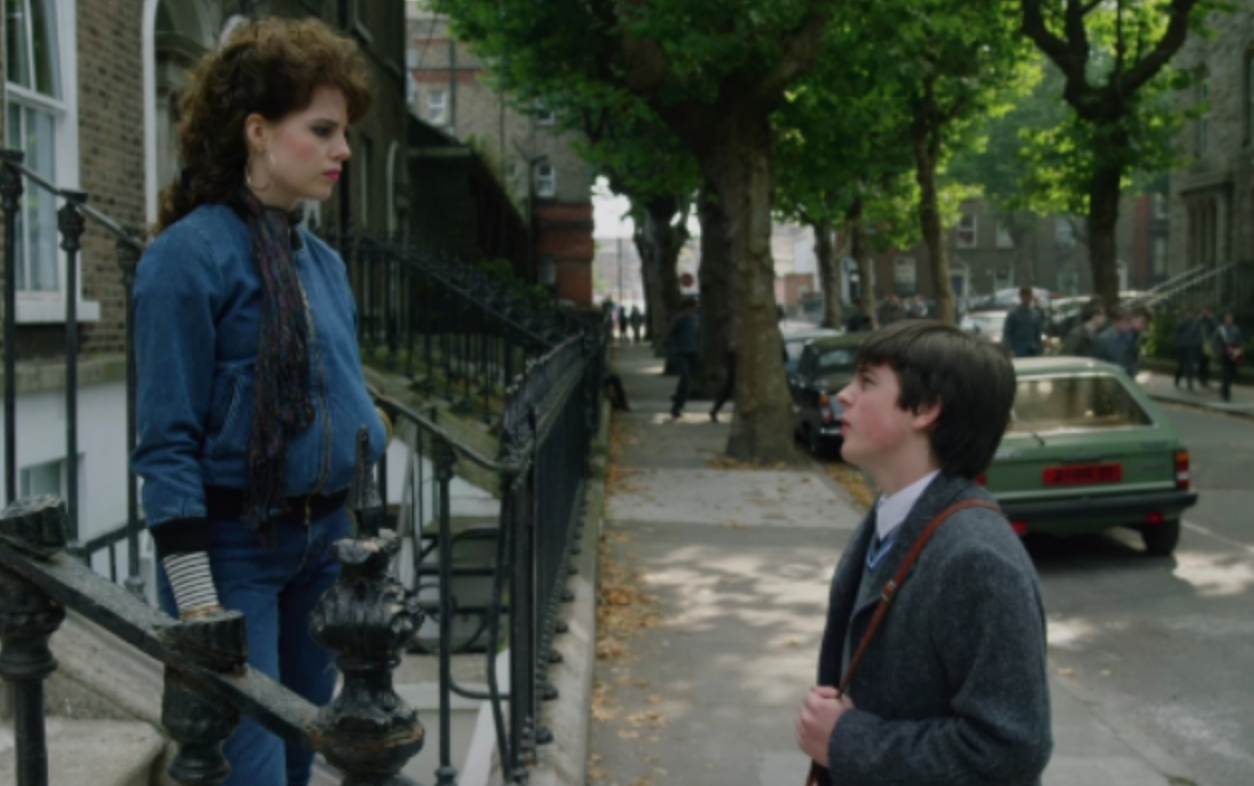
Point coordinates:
[[1212, 196], [536, 163], [984, 256]]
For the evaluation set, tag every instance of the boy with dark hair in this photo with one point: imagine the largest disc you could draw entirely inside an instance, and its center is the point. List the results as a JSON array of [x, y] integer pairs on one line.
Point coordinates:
[[948, 683]]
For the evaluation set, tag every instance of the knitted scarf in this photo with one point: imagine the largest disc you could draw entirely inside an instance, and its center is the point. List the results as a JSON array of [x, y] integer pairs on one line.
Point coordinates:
[[283, 406]]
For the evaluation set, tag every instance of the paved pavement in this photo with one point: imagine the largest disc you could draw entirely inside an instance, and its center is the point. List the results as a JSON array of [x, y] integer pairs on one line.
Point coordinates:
[[1162, 386], [738, 563]]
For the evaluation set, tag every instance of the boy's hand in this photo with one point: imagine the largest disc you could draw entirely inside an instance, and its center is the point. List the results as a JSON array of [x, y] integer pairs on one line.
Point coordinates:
[[820, 711]]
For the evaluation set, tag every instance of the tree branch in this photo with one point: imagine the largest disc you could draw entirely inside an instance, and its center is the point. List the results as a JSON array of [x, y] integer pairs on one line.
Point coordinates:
[[1168, 45], [800, 52], [1034, 27]]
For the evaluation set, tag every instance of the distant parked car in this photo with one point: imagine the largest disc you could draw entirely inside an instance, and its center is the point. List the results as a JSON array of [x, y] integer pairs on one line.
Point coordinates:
[[988, 324], [795, 340], [825, 366], [1087, 450]]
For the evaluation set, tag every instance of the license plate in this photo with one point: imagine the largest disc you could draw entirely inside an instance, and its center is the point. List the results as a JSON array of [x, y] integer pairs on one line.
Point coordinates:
[[1083, 474]]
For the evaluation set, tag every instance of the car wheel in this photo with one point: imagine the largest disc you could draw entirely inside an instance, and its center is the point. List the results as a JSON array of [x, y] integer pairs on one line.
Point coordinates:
[[1161, 539]]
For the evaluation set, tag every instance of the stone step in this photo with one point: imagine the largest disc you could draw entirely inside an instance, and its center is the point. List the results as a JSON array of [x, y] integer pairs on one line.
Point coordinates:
[[96, 752]]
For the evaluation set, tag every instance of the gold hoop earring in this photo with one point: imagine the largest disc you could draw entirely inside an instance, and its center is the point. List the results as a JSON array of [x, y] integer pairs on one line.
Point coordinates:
[[248, 173]]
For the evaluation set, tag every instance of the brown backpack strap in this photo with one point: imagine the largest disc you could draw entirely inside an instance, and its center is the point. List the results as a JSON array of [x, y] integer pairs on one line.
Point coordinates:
[[891, 588]]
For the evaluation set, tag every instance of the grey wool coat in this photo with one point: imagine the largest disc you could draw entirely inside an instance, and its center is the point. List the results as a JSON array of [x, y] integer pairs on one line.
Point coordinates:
[[953, 689]]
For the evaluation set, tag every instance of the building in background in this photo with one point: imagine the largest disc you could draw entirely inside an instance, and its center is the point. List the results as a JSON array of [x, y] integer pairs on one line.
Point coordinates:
[[522, 148]]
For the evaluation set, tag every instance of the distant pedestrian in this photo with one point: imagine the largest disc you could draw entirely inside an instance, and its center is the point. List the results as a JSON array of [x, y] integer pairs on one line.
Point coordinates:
[[1024, 327], [890, 309], [1188, 340], [728, 388], [622, 324], [1207, 324], [637, 322], [1119, 341], [953, 687], [918, 308], [1230, 346], [859, 321], [685, 344], [1079, 341]]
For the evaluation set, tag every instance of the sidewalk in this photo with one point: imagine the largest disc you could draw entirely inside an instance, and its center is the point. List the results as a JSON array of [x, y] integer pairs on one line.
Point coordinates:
[[714, 589], [1161, 386]]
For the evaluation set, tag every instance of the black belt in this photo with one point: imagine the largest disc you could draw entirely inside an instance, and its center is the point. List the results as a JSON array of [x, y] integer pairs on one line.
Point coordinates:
[[228, 504]]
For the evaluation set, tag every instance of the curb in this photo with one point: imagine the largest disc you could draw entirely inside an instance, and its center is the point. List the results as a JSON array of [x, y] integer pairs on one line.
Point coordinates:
[[564, 761], [1197, 407]]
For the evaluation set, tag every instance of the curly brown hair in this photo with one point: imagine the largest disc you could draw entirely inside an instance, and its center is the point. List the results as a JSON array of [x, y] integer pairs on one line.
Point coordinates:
[[268, 66]]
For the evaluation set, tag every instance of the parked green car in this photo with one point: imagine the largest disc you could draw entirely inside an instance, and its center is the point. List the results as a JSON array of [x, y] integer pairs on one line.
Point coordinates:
[[1086, 450]]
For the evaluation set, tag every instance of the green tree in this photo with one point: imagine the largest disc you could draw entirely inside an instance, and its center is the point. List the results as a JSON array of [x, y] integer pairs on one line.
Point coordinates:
[[1114, 58], [948, 63], [712, 72], [840, 156]]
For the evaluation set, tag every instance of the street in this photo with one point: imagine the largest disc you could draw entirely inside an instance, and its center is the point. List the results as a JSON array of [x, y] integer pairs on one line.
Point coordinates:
[[1162, 648]]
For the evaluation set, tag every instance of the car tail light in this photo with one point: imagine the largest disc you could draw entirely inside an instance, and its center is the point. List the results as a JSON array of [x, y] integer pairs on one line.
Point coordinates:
[[1020, 527], [825, 405], [1154, 517], [1182, 469]]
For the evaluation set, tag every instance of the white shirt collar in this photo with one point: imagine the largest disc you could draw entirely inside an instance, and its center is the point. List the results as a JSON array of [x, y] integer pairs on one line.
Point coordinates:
[[890, 511]]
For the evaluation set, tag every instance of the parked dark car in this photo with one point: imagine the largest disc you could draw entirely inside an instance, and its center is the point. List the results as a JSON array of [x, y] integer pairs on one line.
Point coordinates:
[[825, 366]]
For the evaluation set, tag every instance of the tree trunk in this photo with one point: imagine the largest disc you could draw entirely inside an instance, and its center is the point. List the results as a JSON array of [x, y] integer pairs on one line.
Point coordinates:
[[648, 279], [857, 250], [738, 163], [659, 243], [716, 296], [829, 272], [1103, 217], [925, 153]]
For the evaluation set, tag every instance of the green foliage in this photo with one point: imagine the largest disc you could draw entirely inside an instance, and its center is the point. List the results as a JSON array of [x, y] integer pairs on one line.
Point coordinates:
[[1159, 338]]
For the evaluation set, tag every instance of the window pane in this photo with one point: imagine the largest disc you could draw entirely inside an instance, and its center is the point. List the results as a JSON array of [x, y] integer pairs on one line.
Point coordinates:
[[13, 140], [1069, 403], [17, 64], [42, 479], [46, 49], [41, 208]]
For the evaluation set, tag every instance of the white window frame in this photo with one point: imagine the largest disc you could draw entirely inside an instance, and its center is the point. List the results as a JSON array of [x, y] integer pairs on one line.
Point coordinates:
[[546, 180], [61, 467], [1003, 277], [908, 265], [48, 307], [433, 106], [967, 223], [1064, 233], [544, 115], [1004, 238]]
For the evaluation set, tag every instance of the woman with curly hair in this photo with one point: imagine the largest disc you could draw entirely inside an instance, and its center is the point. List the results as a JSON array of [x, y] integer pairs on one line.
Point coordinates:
[[250, 389]]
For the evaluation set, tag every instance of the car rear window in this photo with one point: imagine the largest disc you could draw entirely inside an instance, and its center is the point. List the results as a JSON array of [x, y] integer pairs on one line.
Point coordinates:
[[1074, 403], [837, 360]]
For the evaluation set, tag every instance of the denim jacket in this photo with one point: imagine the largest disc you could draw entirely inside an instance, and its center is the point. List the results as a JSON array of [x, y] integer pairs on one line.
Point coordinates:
[[198, 301]]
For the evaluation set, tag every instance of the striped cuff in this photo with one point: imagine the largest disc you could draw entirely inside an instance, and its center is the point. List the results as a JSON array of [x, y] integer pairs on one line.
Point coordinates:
[[191, 580]]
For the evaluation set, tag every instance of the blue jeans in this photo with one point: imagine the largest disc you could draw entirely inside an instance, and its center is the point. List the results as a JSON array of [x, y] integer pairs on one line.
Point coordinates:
[[276, 589]]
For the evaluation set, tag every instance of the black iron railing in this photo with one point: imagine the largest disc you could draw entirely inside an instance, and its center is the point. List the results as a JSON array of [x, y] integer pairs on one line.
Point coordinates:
[[551, 415], [72, 220], [367, 731]]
